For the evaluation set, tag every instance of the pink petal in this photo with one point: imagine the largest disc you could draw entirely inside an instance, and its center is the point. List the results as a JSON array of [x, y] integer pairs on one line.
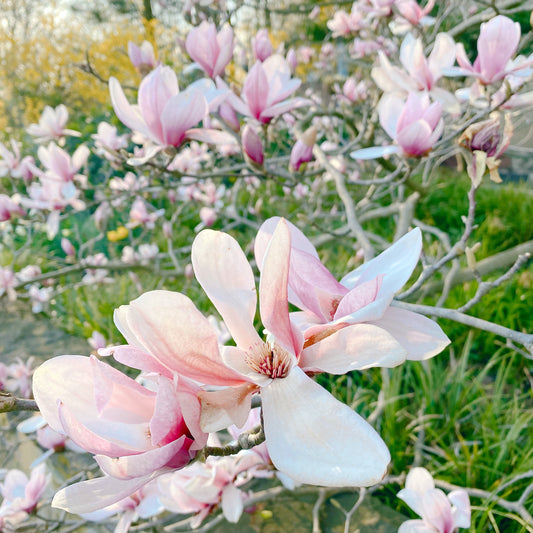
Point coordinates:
[[363, 294], [461, 511], [355, 347], [136, 358], [167, 422], [315, 439], [437, 510], [182, 112], [224, 273], [420, 336], [127, 114], [497, 44], [167, 325], [143, 464], [255, 90], [210, 136], [273, 300]]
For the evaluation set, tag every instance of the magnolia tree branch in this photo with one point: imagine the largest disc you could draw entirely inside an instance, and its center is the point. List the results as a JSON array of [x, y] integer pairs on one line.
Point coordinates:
[[526, 339], [9, 403]]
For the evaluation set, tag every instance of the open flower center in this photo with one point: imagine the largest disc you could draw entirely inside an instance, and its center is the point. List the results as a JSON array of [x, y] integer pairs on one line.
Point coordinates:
[[269, 360]]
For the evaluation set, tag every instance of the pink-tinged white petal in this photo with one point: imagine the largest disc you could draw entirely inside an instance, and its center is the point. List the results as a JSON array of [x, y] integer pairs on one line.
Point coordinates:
[[143, 464], [355, 347], [236, 359], [273, 301], [414, 139], [389, 109], [127, 114], [94, 494], [421, 337], [461, 508], [225, 407], [415, 526], [232, 503], [167, 325], [437, 510], [255, 90], [137, 358], [363, 294], [315, 439], [224, 273], [442, 56], [375, 152], [396, 262], [284, 107], [497, 44], [210, 136], [181, 112]]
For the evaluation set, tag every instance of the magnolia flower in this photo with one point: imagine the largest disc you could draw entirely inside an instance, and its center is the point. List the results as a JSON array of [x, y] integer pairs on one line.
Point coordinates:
[[164, 115], [97, 341], [487, 141], [200, 487], [142, 57], [497, 44], [252, 145], [135, 433], [21, 495], [343, 23], [411, 11], [261, 45], [415, 125], [11, 162], [440, 513], [177, 336], [51, 125], [107, 141], [355, 313], [39, 297], [421, 73], [302, 151], [265, 90], [8, 207], [7, 283], [140, 216], [211, 50]]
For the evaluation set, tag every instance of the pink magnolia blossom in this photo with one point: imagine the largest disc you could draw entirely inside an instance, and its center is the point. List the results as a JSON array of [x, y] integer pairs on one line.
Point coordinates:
[[20, 374], [9, 208], [265, 90], [440, 513], [208, 216], [354, 91], [7, 283], [163, 114], [21, 495], [29, 272], [142, 57], [141, 216], [302, 151], [261, 45], [199, 487], [415, 125], [419, 73], [176, 335], [212, 50], [413, 12], [39, 297], [12, 164], [107, 141], [51, 125], [343, 23], [252, 145], [496, 46], [135, 433], [355, 313]]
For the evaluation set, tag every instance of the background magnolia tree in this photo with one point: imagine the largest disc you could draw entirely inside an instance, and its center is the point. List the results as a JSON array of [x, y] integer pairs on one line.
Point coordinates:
[[167, 167]]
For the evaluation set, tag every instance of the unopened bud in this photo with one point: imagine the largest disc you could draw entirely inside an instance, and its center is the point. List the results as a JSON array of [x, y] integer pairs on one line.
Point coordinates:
[[252, 146], [302, 151]]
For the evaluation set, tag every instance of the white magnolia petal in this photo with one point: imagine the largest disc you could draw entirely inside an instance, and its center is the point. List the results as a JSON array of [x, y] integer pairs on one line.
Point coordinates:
[[315, 439], [396, 262], [353, 348], [94, 494], [420, 336], [232, 504], [224, 273]]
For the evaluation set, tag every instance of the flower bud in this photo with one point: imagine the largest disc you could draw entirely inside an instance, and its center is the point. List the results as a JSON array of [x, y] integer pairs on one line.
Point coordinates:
[[302, 151], [252, 146], [261, 45]]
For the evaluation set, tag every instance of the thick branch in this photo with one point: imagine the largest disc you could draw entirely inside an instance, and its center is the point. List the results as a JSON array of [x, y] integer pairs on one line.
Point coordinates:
[[9, 403]]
